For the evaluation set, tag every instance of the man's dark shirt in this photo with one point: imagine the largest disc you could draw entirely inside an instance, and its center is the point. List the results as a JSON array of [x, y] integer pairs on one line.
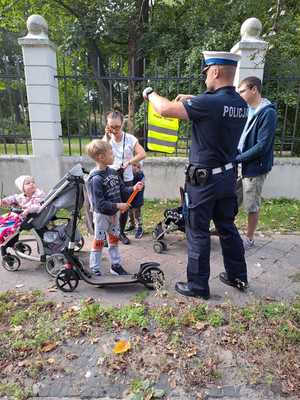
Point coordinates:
[[218, 119]]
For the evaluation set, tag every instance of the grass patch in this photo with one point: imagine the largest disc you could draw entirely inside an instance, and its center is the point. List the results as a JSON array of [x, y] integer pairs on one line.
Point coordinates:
[[279, 215], [13, 391], [266, 335]]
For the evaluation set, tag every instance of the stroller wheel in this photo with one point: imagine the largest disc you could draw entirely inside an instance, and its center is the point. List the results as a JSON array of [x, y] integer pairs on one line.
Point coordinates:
[[23, 248], [55, 264], [158, 231], [158, 247], [79, 245], [67, 280], [11, 262], [152, 277]]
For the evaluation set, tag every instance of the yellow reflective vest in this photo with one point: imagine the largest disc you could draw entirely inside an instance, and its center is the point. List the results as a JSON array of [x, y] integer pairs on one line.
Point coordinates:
[[162, 132]]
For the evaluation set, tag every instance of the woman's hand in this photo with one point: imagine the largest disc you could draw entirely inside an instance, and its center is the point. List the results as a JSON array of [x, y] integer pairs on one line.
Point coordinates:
[[108, 131]]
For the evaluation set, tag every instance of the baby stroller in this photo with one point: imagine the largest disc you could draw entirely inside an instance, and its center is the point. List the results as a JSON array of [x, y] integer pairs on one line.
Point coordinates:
[[174, 220], [51, 232]]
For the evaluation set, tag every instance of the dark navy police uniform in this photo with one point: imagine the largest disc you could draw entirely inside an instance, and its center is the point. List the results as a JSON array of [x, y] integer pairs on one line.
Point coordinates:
[[218, 118]]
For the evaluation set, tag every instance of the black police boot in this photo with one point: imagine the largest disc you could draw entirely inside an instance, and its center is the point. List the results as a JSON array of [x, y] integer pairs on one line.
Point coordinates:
[[182, 288], [237, 283]]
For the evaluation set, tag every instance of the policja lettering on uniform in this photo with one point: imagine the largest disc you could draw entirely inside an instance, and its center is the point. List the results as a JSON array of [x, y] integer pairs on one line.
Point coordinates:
[[235, 112]]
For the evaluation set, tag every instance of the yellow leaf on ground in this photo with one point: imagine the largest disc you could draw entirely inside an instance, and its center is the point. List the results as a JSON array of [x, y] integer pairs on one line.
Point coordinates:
[[49, 346], [121, 346]]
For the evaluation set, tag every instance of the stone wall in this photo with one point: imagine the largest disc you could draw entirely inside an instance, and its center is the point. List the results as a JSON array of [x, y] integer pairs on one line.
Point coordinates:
[[163, 175]]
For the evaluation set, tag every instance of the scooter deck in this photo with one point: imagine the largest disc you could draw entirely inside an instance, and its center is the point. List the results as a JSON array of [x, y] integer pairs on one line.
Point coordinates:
[[110, 280]]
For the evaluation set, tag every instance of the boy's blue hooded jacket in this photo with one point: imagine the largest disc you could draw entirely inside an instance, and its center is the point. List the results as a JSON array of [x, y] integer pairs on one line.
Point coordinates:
[[257, 141]]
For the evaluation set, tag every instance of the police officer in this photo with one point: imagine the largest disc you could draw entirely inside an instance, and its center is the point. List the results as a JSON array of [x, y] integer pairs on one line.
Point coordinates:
[[218, 117]]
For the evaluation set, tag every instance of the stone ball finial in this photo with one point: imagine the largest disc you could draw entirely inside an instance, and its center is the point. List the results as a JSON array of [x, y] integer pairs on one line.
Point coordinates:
[[37, 25], [251, 29]]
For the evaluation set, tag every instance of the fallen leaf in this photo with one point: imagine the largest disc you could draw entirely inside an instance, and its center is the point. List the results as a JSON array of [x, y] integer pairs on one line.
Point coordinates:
[[19, 285], [121, 346], [51, 361], [201, 326], [48, 346]]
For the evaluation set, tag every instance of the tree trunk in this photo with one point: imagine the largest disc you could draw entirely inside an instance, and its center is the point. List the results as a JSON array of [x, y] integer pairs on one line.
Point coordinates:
[[135, 64], [98, 68]]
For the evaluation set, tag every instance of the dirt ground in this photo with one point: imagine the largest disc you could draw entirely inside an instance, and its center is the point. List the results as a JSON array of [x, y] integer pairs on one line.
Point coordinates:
[[82, 367]]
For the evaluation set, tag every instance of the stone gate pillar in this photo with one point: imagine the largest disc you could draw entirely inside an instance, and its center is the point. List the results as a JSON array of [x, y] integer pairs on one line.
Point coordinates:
[[252, 50], [39, 55]]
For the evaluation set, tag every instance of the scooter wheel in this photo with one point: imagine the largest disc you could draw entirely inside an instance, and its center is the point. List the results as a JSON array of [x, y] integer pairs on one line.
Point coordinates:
[[158, 247], [11, 262], [54, 264], [152, 277], [23, 248], [79, 245], [67, 280], [164, 244]]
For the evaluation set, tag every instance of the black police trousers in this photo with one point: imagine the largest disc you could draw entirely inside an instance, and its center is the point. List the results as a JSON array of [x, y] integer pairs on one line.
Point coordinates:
[[216, 201]]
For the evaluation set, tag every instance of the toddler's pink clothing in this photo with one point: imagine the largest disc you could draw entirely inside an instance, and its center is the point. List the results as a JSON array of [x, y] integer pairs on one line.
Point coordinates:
[[22, 201]]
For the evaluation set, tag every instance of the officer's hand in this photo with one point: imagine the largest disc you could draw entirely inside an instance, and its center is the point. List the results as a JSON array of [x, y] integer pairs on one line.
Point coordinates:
[[146, 92], [181, 97]]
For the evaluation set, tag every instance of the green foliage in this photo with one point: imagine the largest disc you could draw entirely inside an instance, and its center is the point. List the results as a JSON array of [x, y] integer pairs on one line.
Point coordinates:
[[216, 318], [132, 315], [273, 310], [200, 312]]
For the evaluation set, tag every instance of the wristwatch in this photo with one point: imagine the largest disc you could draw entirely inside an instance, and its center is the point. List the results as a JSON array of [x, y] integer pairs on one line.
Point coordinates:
[[147, 91]]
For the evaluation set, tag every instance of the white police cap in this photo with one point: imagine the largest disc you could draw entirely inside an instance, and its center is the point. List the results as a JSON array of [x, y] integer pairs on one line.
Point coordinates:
[[219, 58]]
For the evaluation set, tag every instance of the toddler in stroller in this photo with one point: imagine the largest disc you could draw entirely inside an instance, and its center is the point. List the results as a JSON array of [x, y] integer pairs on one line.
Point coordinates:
[[50, 238], [174, 220]]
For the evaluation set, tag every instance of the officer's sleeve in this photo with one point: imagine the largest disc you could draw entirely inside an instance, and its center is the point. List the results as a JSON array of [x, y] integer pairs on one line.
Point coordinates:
[[197, 107]]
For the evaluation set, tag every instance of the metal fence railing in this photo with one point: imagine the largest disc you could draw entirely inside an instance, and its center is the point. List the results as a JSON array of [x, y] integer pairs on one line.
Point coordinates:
[[86, 95], [14, 121], [87, 91]]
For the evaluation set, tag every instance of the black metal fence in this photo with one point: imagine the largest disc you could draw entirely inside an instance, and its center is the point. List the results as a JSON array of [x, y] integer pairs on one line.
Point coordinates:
[[14, 122], [87, 93]]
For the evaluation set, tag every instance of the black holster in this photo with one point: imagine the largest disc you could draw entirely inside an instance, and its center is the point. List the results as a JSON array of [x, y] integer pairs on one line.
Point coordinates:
[[196, 176]]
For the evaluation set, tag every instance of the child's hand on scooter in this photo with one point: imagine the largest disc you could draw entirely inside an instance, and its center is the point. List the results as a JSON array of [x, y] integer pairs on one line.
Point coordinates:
[[123, 207], [138, 186]]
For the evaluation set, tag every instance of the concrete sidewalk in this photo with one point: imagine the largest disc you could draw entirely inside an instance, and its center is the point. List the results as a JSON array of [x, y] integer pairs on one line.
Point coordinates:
[[273, 268]]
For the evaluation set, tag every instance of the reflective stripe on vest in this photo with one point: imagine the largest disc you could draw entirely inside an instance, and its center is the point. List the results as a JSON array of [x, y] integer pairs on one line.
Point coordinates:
[[162, 132]]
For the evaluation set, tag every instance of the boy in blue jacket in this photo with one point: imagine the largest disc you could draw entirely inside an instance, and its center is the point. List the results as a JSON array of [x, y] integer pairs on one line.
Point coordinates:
[[107, 194], [255, 150]]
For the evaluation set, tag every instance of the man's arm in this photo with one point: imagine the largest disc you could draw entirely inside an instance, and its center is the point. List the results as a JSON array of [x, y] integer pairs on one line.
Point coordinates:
[[165, 107]]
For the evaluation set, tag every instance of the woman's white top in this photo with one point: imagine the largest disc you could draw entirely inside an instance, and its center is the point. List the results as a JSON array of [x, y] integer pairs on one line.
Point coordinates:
[[117, 148]]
